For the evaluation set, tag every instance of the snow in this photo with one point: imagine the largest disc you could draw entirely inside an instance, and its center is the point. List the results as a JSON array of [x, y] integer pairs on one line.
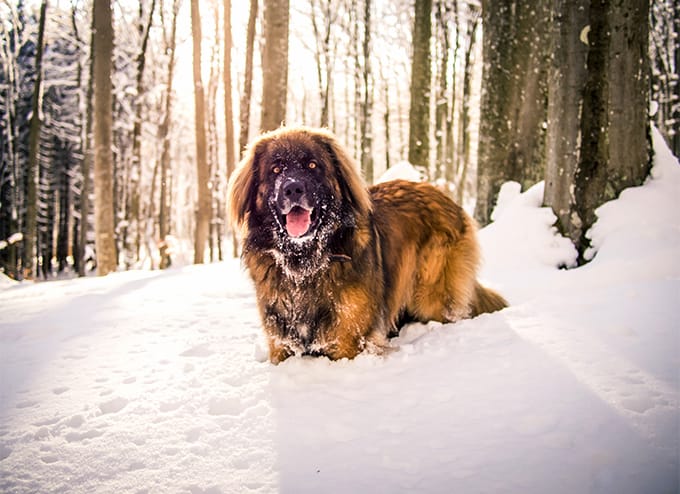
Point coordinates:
[[158, 381], [404, 171]]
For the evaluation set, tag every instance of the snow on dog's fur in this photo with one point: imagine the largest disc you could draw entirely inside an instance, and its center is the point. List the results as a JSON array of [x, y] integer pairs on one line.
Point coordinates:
[[338, 267]]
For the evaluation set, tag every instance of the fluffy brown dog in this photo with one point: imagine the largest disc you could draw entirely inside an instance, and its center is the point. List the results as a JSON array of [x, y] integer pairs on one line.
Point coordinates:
[[338, 267]]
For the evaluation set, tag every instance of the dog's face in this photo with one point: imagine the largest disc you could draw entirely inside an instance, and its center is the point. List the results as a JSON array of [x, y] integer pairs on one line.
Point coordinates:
[[292, 192], [300, 194]]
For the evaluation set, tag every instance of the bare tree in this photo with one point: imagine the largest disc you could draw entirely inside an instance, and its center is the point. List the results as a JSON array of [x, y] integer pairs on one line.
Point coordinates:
[[514, 97], [322, 24], [244, 109], [615, 149], [566, 81], [170, 42], [228, 104], [33, 148], [419, 115], [465, 138], [133, 208], [202, 172], [366, 105], [598, 129], [274, 64], [103, 156]]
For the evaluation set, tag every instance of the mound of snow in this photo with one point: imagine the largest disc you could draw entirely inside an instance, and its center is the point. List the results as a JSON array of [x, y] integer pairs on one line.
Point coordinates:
[[402, 171], [522, 235]]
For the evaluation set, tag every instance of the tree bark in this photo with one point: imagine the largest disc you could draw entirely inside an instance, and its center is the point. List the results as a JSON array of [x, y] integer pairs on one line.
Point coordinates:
[[367, 101], [566, 83], [590, 175], [274, 64], [465, 110], [615, 140], [164, 134], [228, 105], [244, 109], [134, 207], [103, 123], [419, 113], [31, 232], [629, 131], [204, 202], [514, 98]]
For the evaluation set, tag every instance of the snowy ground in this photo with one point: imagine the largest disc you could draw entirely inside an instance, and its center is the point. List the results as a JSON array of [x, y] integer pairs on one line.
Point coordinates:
[[157, 382]]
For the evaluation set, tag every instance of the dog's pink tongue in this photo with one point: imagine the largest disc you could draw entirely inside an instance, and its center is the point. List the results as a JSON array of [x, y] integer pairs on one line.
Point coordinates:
[[298, 221]]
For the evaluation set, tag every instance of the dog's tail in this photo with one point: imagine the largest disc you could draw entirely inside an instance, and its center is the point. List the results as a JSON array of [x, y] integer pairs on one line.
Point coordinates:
[[486, 300]]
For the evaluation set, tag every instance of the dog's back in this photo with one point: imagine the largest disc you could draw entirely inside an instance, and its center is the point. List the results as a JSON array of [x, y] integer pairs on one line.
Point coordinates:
[[430, 255]]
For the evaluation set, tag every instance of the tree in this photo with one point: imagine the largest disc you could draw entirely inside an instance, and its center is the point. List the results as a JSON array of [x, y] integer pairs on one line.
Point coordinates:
[[202, 172], [514, 98], [598, 130], [465, 138], [366, 104], [103, 157], [322, 24], [228, 104], [566, 82], [274, 64], [170, 41], [665, 61], [133, 208], [244, 108], [85, 143], [30, 234], [615, 141], [419, 114]]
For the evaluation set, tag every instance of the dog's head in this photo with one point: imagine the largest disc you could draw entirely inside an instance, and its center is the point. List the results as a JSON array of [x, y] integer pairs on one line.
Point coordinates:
[[296, 186]]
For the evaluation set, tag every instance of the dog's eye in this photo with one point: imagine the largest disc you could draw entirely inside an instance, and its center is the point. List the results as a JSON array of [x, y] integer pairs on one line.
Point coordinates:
[[276, 169], [311, 165]]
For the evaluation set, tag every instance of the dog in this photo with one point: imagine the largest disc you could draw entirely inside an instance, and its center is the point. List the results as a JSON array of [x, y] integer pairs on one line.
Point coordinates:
[[338, 267]]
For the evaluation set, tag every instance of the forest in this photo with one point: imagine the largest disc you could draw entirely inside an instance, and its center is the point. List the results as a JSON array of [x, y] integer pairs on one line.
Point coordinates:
[[120, 122]]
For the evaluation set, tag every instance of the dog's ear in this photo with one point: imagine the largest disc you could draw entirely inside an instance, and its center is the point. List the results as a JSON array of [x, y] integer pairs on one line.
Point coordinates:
[[243, 183], [347, 172]]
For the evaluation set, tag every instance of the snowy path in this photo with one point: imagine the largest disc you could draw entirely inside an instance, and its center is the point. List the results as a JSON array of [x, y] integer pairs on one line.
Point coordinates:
[[153, 382]]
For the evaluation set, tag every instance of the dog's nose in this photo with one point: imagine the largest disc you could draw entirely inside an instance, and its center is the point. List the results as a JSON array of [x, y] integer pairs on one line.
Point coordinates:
[[293, 190]]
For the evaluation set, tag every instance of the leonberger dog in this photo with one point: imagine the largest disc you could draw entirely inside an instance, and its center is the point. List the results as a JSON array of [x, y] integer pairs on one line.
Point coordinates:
[[337, 267]]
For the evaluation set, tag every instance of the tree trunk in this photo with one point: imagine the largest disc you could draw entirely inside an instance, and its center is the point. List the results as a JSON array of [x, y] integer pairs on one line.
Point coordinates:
[[629, 131], [86, 167], [202, 172], [31, 232], [566, 82], [244, 109], [442, 104], [228, 105], [322, 54], [164, 134], [274, 64], [590, 175], [103, 156], [514, 98], [615, 146], [134, 207], [465, 110], [419, 114], [367, 102]]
